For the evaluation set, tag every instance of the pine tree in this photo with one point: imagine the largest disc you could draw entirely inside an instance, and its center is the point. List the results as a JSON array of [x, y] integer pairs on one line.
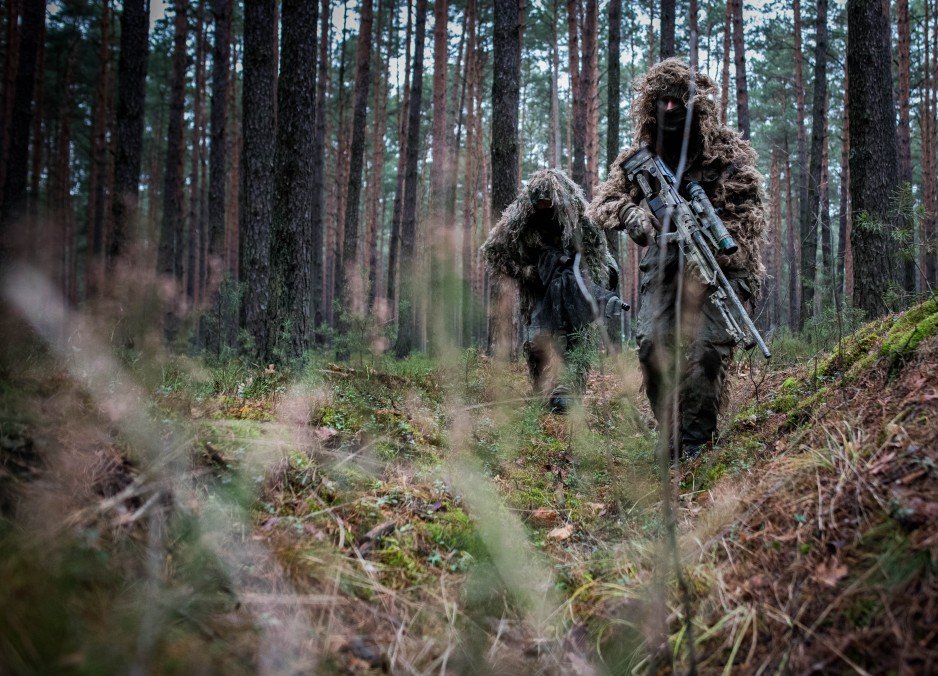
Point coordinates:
[[811, 208], [873, 153], [408, 327], [506, 91], [291, 235], [257, 165]]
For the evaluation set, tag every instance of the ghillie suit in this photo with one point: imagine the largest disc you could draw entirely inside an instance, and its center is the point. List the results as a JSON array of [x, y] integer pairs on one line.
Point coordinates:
[[539, 239], [724, 164]]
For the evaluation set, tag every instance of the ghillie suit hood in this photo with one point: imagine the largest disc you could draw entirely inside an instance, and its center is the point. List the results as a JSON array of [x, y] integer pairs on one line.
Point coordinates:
[[512, 247], [718, 157]]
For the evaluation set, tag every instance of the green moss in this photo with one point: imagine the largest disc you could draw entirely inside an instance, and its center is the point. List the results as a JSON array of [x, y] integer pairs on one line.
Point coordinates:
[[454, 531], [790, 385], [401, 567], [909, 331]]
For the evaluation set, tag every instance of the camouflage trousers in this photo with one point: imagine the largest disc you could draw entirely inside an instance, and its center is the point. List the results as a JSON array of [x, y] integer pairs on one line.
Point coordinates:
[[699, 358], [557, 359]]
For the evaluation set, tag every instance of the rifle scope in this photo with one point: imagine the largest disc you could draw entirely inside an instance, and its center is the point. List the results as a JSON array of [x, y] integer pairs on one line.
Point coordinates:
[[704, 209]]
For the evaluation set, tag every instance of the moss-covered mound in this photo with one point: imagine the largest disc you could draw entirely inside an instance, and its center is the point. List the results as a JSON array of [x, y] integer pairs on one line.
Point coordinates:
[[832, 564]]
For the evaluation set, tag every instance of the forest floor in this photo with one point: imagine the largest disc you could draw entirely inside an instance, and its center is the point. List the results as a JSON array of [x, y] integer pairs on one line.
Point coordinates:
[[430, 516]]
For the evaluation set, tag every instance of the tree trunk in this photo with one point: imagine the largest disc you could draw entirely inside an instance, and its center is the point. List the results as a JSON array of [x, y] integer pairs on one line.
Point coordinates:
[[221, 73], [438, 177], [98, 170], [792, 244], [291, 232], [667, 29], [394, 246], [811, 208], [843, 241], [578, 108], [10, 66], [768, 299], [928, 227], [504, 150], [903, 134], [352, 291], [61, 179], [739, 50], [694, 32], [36, 146], [802, 160], [554, 143], [823, 282], [169, 261], [873, 153], [612, 133], [196, 224], [316, 190], [471, 180], [589, 83], [20, 119], [408, 327], [725, 83], [374, 198], [257, 167]]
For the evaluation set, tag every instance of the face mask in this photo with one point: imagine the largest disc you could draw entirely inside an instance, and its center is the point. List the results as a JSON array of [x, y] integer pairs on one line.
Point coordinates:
[[672, 114]]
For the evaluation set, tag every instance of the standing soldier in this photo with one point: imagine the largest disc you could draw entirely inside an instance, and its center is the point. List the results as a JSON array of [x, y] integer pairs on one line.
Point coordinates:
[[681, 124], [565, 275]]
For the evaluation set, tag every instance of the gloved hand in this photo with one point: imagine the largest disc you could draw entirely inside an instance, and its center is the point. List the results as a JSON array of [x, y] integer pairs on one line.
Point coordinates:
[[614, 307], [637, 223]]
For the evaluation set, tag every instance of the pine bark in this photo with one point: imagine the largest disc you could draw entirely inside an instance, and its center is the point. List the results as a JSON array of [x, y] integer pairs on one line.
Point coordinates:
[[739, 51], [792, 243], [257, 167], [317, 196], [36, 145], [169, 261], [218, 148], [97, 194], [590, 87], [811, 208], [60, 181], [873, 153], [612, 129], [768, 302], [374, 199], [904, 132], [472, 170], [504, 149], [578, 109], [352, 291], [725, 82], [290, 273], [196, 224], [20, 118], [928, 228], [554, 142], [131, 99], [408, 327], [667, 29], [10, 65], [394, 245], [841, 281], [439, 177], [802, 158]]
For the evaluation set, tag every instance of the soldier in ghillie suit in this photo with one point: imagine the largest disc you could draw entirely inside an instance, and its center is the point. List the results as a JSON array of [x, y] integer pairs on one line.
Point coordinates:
[[565, 275], [724, 164]]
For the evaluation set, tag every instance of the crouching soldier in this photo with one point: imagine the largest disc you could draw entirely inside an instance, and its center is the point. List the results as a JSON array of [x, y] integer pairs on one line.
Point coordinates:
[[565, 275], [666, 111]]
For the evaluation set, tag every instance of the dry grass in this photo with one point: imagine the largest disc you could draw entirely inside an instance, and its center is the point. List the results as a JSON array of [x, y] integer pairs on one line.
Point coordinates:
[[422, 517]]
